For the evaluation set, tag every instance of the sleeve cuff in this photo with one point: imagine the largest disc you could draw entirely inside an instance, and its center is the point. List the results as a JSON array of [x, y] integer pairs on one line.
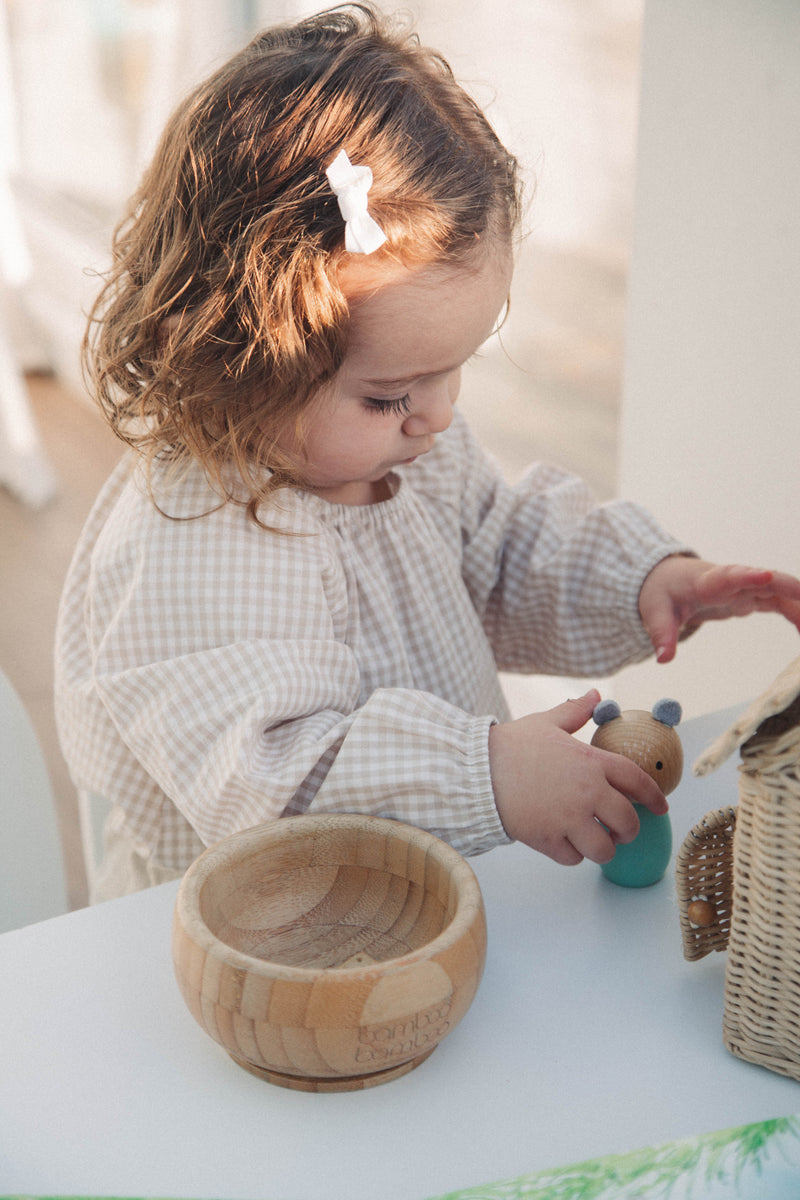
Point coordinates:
[[486, 830]]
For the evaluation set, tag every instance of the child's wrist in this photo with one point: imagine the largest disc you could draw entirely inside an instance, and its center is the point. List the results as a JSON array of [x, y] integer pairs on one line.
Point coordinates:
[[502, 775]]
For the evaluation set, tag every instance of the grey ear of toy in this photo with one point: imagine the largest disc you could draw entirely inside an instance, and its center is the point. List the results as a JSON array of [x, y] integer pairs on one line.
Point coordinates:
[[668, 712], [606, 710]]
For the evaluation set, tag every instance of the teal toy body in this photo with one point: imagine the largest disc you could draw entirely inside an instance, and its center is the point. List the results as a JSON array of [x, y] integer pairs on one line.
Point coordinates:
[[644, 860], [650, 740]]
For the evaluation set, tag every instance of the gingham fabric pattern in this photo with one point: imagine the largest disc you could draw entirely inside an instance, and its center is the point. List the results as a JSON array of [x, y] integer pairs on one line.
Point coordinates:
[[211, 675]]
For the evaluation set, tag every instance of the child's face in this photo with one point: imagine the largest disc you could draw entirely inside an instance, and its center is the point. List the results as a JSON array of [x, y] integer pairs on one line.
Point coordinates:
[[400, 377]]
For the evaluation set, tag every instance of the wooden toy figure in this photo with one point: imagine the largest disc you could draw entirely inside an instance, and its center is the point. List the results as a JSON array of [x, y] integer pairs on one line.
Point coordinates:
[[651, 741]]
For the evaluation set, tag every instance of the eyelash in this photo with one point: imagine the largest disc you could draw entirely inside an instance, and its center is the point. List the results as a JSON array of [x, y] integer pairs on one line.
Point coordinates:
[[399, 406]]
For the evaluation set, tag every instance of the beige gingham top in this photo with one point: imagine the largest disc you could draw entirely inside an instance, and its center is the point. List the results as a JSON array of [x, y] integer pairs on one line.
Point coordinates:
[[211, 675]]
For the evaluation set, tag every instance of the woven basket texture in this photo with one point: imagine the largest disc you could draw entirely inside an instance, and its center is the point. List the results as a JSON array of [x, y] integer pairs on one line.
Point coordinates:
[[704, 871], [762, 981]]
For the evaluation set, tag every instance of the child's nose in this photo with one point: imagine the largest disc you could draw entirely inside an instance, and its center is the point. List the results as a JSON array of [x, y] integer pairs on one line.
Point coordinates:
[[433, 415]]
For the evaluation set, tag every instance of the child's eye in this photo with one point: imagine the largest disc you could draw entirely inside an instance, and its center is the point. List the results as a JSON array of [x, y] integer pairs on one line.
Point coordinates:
[[399, 406]]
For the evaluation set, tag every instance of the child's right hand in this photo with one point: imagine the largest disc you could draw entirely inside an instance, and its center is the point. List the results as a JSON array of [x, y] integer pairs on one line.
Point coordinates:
[[556, 793]]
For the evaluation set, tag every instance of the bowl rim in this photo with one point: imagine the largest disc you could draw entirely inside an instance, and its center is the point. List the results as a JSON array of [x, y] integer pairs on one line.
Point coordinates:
[[187, 904]]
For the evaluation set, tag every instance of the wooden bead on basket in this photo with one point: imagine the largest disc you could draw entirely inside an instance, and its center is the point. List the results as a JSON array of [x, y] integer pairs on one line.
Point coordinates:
[[702, 913]]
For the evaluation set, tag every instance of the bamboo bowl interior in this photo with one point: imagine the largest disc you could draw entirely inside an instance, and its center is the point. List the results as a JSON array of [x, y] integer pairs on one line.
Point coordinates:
[[329, 952], [312, 907]]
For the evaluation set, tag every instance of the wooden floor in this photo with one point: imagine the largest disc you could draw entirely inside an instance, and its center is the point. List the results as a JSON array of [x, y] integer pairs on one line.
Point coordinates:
[[35, 550], [564, 407]]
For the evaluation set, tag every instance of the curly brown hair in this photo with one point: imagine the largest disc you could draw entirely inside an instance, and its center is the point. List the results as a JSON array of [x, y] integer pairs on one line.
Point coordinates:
[[222, 315]]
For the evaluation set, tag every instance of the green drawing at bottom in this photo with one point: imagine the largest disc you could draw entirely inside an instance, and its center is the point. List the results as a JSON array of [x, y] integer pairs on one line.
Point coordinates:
[[752, 1162]]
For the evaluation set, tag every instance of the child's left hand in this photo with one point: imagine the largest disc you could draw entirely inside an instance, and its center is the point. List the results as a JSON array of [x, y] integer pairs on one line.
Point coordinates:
[[680, 593]]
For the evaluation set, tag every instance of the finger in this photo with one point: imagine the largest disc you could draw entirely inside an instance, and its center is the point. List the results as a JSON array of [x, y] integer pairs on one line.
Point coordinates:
[[738, 591], [595, 842], [786, 586], [572, 715], [665, 643], [661, 624], [791, 611], [618, 817], [783, 596], [635, 784], [564, 853], [558, 847], [720, 584]]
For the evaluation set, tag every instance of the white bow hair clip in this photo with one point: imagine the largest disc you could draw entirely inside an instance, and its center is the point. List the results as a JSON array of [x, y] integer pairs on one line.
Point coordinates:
[[362, 235]]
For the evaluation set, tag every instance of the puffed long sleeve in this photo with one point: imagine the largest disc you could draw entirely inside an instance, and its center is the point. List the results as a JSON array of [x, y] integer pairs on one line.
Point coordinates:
[[212, 674], [554, 576]]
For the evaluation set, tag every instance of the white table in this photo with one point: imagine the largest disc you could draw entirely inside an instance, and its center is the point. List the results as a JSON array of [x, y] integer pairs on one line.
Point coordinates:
[[590, 1034]]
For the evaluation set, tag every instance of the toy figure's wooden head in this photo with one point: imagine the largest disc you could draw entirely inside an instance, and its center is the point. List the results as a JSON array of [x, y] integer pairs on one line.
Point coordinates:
[[647, 738]]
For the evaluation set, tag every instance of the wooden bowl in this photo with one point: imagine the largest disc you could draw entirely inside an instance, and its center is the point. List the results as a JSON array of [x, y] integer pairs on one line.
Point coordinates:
[[329, 953]]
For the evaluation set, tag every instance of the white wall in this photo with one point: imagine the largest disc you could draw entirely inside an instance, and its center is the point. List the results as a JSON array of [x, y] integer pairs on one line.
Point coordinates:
[[552, 77], [710, 429]]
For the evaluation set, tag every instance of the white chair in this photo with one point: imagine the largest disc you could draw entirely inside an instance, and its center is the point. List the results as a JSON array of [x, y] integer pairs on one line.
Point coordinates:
[[32, 881], [92, 813]]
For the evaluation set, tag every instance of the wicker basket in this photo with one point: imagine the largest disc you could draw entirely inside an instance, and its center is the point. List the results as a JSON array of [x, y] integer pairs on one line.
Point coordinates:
[[746, 864], [704, 878]]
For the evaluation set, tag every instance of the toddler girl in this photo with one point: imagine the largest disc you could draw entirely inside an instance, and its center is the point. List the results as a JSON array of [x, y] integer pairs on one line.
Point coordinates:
[[295, 593]]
